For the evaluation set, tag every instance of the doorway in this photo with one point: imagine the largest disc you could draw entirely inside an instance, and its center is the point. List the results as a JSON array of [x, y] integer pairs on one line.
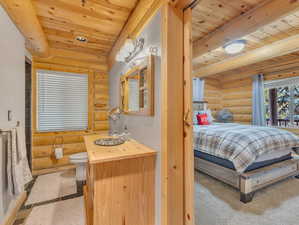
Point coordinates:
[[28, 84]]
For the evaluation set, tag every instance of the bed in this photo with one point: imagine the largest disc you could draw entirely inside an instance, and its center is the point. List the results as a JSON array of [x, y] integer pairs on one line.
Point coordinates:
[[244, 156]]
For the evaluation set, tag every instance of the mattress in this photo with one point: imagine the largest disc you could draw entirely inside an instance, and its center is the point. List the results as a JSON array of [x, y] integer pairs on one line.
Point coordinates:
[[242, 144], [273, 155], [266, 160]]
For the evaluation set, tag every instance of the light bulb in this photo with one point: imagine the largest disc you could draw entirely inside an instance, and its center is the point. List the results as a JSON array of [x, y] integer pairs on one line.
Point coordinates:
[[129, 45], [119, 57]]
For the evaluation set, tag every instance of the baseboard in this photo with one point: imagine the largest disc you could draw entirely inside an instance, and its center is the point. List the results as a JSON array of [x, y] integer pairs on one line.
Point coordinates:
[[52, 170], [12, 212]]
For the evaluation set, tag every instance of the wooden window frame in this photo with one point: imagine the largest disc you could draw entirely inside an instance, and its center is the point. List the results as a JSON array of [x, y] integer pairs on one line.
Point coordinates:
[[274, 120]]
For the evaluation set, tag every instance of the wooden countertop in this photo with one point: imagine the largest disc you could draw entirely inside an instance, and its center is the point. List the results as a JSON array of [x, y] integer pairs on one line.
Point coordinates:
[[130, 149]]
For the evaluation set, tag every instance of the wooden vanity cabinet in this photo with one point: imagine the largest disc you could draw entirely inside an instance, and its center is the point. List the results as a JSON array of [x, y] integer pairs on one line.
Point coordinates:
[[120, 188]]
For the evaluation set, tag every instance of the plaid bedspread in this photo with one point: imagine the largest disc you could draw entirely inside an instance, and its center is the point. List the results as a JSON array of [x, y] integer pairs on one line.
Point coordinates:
[[241, 144]]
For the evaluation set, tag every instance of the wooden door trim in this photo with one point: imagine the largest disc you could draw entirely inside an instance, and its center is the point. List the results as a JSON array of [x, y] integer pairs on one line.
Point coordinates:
[[176, 83], [188, 122]]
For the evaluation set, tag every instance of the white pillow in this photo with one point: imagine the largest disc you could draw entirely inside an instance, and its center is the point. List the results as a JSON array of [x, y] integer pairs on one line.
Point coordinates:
[[210, 117]]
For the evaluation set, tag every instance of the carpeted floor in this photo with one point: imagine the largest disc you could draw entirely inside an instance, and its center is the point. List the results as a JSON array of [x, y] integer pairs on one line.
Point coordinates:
[[218, 204]]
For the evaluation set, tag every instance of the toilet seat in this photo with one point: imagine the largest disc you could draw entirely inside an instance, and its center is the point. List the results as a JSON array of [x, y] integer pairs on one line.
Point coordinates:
[[80, 160], [79, 157]]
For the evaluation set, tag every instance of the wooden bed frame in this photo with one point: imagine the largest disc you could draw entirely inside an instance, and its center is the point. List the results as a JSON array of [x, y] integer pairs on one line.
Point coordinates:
[[250, 182]]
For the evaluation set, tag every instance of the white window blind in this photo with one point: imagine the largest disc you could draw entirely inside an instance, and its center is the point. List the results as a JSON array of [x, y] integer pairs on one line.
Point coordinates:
[[62, 101]]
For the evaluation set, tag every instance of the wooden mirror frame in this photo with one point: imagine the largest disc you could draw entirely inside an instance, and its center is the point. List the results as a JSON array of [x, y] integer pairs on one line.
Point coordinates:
[[124, 88]]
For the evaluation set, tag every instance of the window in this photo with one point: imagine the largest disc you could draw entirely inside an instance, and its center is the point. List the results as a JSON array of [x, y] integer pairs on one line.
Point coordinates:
[[62, 101], [282, 102]]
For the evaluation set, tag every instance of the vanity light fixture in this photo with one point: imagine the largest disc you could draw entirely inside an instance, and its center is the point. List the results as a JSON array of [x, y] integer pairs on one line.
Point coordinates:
[[130, 50], [234, 47]]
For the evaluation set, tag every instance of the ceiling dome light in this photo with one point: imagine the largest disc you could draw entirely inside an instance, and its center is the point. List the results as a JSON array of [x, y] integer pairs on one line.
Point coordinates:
[[81, 39], [234, 47]]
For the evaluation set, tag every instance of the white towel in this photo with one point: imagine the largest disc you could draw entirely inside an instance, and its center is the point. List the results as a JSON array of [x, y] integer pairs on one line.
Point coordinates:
[[21, 138], [18, 171]]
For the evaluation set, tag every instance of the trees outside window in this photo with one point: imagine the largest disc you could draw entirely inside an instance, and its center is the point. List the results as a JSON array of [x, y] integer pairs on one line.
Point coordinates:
[[282, 105]]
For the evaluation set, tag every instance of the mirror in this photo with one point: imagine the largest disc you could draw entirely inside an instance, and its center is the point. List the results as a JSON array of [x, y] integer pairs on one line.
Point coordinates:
[[133, 98], [137, 89]]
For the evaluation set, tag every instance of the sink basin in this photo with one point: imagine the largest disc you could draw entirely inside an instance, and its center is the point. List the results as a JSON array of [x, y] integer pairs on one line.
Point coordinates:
[[109, 141]]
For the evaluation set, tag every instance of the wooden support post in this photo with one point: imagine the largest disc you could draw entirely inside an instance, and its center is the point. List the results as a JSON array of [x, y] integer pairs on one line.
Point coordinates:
[[177, 129], [22, 12], [172, 116]]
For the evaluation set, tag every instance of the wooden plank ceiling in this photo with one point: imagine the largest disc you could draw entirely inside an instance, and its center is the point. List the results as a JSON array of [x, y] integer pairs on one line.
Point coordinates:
[[211, 15], [100, 21]]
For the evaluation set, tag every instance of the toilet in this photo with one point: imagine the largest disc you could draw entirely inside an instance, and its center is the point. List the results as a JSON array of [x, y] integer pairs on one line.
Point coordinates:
[[80, 160]]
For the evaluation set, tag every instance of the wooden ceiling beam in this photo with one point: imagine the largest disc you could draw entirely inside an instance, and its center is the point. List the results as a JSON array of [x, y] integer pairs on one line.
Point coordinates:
[[263, 14], [23, 14], [279, 48], [75, 55], [57, 60], [62, 25], [67, 37], [69, 46], [141, 15]]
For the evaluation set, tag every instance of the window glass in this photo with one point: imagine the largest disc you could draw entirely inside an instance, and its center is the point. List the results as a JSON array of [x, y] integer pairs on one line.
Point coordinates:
[[283, 103], [296, 105], [62, 101]]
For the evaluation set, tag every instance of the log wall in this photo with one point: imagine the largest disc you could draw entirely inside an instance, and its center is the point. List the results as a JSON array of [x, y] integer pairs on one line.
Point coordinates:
[[43, 158], [236, 92], [212, 94], [237, 97]]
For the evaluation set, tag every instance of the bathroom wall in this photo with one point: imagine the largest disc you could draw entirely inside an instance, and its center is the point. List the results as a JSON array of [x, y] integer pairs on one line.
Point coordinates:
[[145, 129], [12, 86]]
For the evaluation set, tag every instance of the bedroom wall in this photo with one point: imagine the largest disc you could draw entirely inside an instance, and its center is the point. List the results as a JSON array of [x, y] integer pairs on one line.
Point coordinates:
[[237, 97], [43, 159], [145, 129], [212, 94], [12, 89], [236, 91]]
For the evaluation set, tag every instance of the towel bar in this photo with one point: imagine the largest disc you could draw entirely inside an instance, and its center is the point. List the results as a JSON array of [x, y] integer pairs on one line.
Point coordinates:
[[8, 130]]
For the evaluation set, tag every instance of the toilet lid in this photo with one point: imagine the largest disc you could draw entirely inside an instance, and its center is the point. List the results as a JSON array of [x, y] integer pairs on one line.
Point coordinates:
[[81, 155]]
